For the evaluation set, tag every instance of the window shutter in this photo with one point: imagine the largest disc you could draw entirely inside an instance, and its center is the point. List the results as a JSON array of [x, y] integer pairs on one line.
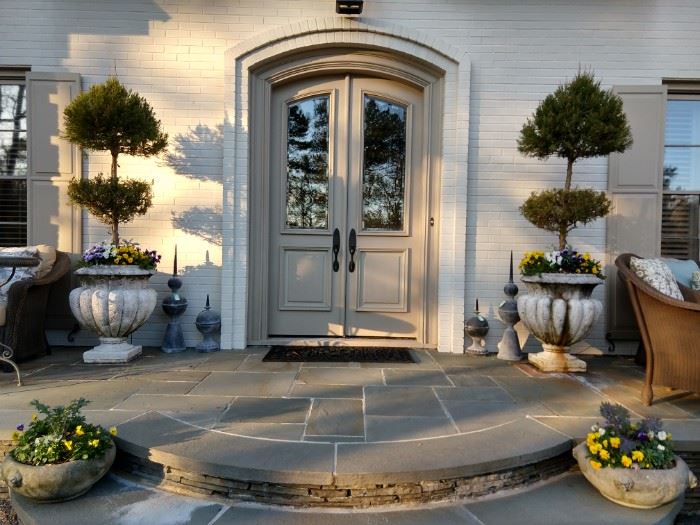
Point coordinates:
[[635, 185], [53, 161]]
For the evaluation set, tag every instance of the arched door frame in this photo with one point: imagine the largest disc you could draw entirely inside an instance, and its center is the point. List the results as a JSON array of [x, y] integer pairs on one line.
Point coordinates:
[[327, 46]]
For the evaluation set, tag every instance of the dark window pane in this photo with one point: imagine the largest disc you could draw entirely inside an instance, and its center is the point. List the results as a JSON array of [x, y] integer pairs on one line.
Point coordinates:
[[679, 226], [13, 212], [13, 153], [307, 164], [384, 165]]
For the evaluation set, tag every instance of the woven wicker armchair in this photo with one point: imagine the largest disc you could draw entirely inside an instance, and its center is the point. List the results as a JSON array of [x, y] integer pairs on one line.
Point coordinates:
[[670, 331], [26, 312]]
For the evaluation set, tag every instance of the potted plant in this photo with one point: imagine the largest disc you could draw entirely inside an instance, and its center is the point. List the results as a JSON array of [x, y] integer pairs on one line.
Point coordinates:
[[58, 456], [113, 298], [579, 120], [632, 464]]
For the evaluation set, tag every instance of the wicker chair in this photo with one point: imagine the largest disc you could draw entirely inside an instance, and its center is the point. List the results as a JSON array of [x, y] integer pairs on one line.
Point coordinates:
[[670, 331], [26, 311]]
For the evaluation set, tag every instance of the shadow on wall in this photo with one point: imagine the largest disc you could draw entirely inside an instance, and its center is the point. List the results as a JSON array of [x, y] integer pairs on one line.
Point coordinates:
[[191, 156]]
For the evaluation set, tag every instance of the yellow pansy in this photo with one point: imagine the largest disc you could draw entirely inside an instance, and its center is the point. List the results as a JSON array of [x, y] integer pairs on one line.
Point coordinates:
[[626, 461], [35, 417], [596, 464], [615, 442], [605, 443], [638, 455], [68, 444], [94, 442], [604, 454], [595, 448], [79, 430], [113, 431]]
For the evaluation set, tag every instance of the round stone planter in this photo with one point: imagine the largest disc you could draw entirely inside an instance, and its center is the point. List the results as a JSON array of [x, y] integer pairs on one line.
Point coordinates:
[[114, 301], [637, 488], [558, 311], [54, 483]]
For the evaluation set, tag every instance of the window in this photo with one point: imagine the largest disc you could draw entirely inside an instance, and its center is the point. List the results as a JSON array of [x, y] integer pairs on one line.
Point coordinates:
[[680, 235], [13, 161]]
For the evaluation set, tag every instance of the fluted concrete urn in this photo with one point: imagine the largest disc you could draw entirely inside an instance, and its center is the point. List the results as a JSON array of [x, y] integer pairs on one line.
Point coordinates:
[[559, 311], [114, 301]]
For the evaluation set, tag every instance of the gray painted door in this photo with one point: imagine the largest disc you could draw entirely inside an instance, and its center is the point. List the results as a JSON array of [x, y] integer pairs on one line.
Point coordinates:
[[347, 209]]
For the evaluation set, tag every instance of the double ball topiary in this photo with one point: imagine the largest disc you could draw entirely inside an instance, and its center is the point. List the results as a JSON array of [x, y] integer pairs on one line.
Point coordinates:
[[579, 120], [111, 118]]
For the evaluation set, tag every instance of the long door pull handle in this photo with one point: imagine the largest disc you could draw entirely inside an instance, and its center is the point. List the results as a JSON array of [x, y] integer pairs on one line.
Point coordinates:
[[336, 249], [352, 248]]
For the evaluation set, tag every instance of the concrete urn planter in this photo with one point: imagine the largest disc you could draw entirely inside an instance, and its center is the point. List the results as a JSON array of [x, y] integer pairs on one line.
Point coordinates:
[[637, 488], [114, 301], [54, 483], [558, 311]]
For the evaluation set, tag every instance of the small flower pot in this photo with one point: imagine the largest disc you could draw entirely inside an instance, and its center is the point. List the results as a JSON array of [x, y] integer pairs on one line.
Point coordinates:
[[637, 488], [55, 483]]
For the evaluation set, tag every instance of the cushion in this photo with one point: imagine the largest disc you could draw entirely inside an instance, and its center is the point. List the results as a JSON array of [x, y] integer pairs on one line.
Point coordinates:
[[21, 273], [695, 281], [47, 254], [657, 274], [682, 269]]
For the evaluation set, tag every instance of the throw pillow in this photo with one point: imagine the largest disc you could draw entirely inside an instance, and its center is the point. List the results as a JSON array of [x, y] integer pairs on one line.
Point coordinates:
[[682, 269], [658, 275], [695, 281], [20, 273]]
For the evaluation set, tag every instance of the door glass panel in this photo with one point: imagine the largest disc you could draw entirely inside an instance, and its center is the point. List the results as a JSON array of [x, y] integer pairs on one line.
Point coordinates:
[[384, 165], [307, 164]]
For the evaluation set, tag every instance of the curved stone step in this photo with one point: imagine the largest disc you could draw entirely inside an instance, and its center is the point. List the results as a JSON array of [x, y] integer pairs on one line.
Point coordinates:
[[186, 458]]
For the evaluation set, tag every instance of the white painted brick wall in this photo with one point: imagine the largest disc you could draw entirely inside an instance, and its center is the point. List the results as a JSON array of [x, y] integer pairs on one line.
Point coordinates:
[[172, 52]]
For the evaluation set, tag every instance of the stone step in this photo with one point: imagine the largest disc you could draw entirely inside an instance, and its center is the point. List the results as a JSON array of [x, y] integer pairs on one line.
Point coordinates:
[[565, 500], [188, 459]]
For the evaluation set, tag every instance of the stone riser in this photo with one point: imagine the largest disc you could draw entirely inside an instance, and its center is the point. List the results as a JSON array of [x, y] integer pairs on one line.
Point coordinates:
[[340, 496]]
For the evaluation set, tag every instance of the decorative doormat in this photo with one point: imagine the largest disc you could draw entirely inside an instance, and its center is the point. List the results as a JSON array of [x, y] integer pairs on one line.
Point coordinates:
[[340, 354]]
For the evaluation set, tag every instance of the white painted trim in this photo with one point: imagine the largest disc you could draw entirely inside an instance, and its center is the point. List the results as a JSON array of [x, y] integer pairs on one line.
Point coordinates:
[[359, 33]]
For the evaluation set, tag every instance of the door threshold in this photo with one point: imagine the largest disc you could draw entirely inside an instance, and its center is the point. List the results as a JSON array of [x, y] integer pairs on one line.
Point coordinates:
[[339, 341]]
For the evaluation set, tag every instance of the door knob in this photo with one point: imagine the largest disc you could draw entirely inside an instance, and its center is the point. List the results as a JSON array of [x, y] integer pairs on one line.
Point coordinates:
[[352, 248], [336, 249]]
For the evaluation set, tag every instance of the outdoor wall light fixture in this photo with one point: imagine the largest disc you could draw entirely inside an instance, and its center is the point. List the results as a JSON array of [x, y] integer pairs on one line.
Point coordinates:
[[348, 7]]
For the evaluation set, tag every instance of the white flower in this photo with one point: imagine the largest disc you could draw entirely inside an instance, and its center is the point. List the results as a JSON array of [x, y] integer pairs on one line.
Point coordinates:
[[651, 434], [601, 432], [661, 447], [662, 435], [594, 427]]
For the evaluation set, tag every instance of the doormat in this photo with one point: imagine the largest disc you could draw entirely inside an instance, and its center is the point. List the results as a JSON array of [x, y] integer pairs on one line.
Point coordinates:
[[340, 354]]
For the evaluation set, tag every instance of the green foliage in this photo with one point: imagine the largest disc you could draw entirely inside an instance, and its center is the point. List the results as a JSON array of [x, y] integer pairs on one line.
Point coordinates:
[[578, 120], [111, 200], [560, 210], [111, 118], [61, 435]]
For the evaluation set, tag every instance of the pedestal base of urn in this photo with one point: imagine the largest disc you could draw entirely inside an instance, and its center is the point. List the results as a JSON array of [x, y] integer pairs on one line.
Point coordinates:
[[112, 351], [556, 359]]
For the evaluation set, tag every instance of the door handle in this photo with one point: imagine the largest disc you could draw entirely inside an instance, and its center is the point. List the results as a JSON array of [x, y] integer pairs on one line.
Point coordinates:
[[352, 248], [336, 249]]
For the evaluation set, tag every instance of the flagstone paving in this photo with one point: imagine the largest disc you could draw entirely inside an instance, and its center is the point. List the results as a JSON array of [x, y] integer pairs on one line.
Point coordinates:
[[448, 416]]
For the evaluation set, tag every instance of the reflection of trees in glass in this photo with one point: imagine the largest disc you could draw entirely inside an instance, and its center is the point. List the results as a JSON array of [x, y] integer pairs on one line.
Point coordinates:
[[13, 134], [307, 164], [384, 165], [669, 173]]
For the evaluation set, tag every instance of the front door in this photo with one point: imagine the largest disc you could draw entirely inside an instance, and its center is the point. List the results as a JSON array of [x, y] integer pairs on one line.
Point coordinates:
[[347, 208]]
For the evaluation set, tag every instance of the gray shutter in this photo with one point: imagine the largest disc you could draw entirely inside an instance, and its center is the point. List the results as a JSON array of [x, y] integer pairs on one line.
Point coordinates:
[[635, 185], [53, 161]]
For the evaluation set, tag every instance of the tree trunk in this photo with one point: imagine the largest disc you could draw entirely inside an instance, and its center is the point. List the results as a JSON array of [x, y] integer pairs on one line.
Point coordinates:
[[569, 174], [562, 238], [115, 181]]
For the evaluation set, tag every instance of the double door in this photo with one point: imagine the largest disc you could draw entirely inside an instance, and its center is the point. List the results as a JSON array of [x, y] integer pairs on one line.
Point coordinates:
[[347, 209]]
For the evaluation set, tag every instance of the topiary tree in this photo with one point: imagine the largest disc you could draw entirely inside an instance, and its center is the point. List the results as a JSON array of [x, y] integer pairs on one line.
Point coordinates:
[[111, 118], [579, 120]]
